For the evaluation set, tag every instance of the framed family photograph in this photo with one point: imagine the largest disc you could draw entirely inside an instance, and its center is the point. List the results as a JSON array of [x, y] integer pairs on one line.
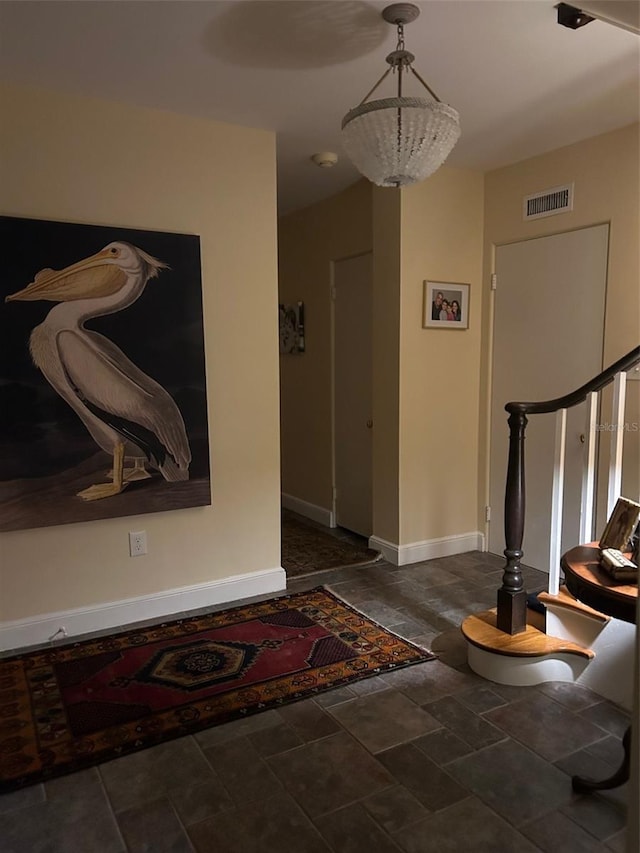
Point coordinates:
[[445, 305]]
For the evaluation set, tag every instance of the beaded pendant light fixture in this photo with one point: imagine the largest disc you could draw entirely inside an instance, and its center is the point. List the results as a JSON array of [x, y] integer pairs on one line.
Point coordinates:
[[402, 140]]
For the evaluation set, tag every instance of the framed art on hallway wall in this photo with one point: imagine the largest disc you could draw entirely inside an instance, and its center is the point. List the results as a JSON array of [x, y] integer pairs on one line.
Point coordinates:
[[103, 407], [445, 305]]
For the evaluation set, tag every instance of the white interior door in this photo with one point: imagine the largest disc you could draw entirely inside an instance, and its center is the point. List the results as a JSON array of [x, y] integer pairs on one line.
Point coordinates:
[[353, 426], [548, 338]]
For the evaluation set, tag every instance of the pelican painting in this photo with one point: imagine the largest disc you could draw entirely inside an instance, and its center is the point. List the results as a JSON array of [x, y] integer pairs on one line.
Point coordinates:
[[129, 415]]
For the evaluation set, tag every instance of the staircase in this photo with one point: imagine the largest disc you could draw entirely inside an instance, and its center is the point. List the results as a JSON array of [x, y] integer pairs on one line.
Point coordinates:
[[569, 641]]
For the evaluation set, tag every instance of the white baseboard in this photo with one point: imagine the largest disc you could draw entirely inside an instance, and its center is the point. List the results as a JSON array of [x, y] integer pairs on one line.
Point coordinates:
[[82, 620], [429, 549], [308, 510]]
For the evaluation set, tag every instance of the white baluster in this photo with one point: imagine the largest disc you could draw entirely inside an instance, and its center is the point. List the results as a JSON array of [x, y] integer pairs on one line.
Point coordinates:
[[555, 544], [589, 469], [617, 439]]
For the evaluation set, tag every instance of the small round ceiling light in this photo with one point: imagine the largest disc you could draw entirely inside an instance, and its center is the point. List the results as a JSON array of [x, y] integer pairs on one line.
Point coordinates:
[[400, 140], [325, 159]]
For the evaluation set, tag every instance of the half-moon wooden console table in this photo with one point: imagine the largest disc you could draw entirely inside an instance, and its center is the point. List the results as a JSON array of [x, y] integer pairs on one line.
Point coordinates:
[[589, 583]]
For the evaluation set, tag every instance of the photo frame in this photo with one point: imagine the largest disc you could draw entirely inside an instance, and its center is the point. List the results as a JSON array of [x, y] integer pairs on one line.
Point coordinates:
[[445, 305], [622, 522], [291, 328]]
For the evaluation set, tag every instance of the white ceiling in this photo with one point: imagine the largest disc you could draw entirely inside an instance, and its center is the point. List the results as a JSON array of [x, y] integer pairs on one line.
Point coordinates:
[[521, 83]]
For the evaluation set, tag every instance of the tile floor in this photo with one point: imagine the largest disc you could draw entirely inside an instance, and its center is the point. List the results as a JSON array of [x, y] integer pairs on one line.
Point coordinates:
[[429, 758]]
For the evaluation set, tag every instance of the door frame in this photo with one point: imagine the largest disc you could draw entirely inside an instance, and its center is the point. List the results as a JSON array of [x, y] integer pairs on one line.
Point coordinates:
[[490, 331]]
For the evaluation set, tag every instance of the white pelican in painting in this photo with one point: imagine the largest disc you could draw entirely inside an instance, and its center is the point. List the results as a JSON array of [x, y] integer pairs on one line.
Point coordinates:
[[126, 412]]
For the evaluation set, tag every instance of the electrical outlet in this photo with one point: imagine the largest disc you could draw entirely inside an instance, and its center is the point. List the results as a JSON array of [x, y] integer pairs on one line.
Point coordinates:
[[138, 543]]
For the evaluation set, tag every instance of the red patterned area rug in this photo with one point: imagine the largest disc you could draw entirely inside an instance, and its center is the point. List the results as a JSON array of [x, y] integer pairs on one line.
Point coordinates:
[[76, 706]]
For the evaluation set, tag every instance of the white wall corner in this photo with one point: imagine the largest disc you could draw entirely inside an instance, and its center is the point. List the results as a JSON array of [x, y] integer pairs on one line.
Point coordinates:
[[428, 549], [118, 614], [309, 510]]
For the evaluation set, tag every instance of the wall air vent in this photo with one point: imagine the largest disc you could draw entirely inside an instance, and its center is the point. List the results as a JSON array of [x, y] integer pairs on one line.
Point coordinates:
[[548, 202]]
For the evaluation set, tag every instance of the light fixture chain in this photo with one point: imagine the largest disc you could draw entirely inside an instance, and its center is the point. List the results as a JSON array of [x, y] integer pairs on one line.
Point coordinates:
[[400, 45]]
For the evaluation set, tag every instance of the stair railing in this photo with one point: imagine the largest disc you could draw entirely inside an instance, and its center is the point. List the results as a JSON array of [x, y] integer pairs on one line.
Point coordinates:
[[512, 596]]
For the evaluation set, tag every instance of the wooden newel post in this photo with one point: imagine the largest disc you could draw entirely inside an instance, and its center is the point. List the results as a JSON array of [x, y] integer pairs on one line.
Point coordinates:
[[512, 596]]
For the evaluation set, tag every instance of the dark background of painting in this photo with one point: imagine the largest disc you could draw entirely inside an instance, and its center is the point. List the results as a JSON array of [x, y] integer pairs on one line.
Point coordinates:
[[162, 333]]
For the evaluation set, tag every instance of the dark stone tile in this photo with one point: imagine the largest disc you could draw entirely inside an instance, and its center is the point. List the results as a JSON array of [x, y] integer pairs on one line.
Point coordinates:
[[428, 575], [351, 830], [513, 781], [429, 681], [384, 719], [309, 720], [618, 842], [489, 580], [368, 685], [434, 788], [474, 573], [380, 611], [398, 594], [420, 611], [73, 785], [608, 750], [350, 587], [512, 692], [545, 726], [424, 640], [450, 647], [83, 821], [572, 696], [452, 596], [335, 697], [464, 723], [409, 629], [457, 615], [608, 716], [480, 699], [199, 802], [394, 808], [381, 572], [329, 773], [238, 728], [555, 831], [583, 763], [153, 827], [242, 771], [148, 775], [276, 739], [274, 824], [465, 827], [443, 746], [597, 815], [22, 799]]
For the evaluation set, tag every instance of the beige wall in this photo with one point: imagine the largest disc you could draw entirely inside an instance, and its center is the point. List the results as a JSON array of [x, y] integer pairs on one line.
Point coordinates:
[[431, 230], [309, 240], [442, 226], [80, 160], [605, 170], [387, 279]]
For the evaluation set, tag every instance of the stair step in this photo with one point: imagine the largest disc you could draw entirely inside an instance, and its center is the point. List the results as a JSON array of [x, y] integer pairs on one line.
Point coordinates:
[[566, 600], [481, 631]]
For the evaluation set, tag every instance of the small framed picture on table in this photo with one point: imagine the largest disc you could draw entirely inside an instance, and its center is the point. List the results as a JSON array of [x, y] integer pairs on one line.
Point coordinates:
[[619, 529]]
